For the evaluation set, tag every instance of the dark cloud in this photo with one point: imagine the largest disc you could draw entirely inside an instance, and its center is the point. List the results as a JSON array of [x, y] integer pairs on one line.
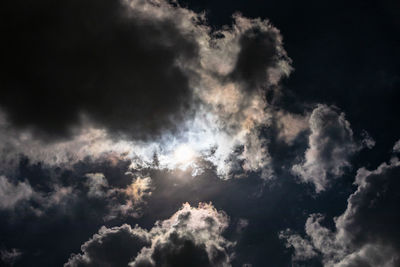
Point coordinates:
[[192, 236], [117, 66], [70, 205], [366, 234], [9, 257], [13, 193], [259, 52], [67, 205], [135, 71], [114, 246]]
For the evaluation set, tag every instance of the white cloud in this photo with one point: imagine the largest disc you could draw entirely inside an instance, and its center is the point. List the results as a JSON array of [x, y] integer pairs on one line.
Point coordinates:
[[229, 113], [192, 236], [366, 234], [331, 145]]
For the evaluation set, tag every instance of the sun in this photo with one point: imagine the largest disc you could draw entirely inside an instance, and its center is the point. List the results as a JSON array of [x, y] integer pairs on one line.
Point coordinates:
[[184, 155]]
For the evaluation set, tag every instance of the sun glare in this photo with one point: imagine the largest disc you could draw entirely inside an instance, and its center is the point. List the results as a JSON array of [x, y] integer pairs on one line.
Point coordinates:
[[184, 155]]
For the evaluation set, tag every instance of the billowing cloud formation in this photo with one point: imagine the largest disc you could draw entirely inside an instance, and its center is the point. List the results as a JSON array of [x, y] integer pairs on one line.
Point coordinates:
[[111, 247], [151, 72], [192, 236], [366, 233], [330, 146], [303, 248], [37, 190]]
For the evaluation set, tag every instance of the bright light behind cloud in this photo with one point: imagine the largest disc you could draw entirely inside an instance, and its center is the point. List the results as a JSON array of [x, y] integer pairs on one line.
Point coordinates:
[[229, 115], [184, 154]]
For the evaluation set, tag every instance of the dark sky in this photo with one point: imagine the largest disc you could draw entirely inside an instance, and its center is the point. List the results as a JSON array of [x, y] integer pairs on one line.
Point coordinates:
[[200, 133], [344, 53]]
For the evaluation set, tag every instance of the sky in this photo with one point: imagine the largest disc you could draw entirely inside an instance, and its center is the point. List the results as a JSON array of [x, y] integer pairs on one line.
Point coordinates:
[[199, 133]]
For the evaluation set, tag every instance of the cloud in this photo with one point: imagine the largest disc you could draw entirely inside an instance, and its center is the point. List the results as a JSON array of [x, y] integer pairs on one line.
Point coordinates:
[[110, 247], [139, 188], [367, 140], [37, 190], [396, 147], [25, 197], [11, 194], [259, 56], [303, 248], [152, 77], [131, 200], [97, 184], [9, 257], [330, 144], [192, 236], [366, 234], [290, 125], [116, 65]]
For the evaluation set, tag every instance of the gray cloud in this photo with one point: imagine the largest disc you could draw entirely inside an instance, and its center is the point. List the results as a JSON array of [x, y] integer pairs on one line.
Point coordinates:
[[118, 66], [366, 234], [11, 194], [192, 236], [9, 257], [260, 52], [97, 184], [367, 140], [114, 246], [330, 144], [290, 125], [396, 147], [303, 248], [146, 102]]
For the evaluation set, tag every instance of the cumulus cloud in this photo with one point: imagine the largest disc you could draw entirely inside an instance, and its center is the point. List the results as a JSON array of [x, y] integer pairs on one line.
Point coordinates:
[[330, 146], [191, 237], [153, 76], [45, 189], [366, 234], [259, 56], [114, 246]]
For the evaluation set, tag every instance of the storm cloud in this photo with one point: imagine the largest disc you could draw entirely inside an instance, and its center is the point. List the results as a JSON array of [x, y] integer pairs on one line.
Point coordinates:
[[111, 63], [135, 78], [366, 234], [192, 236], [199, 133]]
